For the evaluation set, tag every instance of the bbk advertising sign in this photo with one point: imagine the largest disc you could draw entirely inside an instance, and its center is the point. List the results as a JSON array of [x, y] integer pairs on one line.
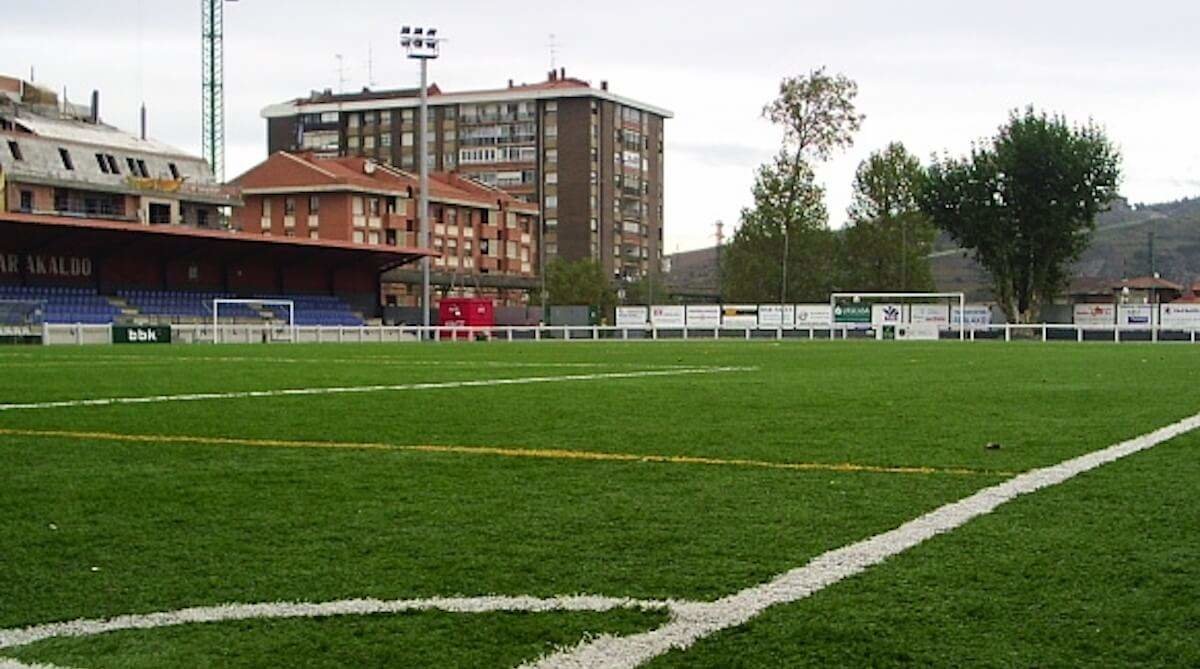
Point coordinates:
[[141, 335], [852, 314], [1136, 315]]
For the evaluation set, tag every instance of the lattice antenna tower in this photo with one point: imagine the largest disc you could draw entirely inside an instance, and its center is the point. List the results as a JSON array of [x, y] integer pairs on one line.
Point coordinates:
[[212, 84]]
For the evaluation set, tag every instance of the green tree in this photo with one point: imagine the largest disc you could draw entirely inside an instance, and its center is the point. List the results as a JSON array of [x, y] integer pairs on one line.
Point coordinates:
[[649, 290], [888, 241], [579, 283], [1026, 204], [750, 265], [818, 117]]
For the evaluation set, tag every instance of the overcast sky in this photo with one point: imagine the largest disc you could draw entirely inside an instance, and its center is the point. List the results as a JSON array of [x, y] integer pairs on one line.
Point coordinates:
[[934, 74]]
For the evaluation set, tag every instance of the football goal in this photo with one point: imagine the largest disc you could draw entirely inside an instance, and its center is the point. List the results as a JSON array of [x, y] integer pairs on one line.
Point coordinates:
[[21, 320], [271, 326], [901, 315]]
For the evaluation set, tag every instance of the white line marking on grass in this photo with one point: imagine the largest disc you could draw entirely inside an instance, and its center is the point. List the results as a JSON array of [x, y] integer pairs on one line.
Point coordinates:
[[695, 621], [14, 638], [689, 621], [298, 392]]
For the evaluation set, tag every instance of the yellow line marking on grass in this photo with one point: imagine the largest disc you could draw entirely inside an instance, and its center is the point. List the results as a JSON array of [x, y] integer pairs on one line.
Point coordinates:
[[505, 452]]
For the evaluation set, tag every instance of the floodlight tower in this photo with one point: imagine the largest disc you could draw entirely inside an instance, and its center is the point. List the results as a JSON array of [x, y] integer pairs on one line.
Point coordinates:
[[212, 85], [424, 45]]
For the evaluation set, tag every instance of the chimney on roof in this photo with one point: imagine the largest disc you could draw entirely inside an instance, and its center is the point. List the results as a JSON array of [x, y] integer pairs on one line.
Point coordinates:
[[95, 106], [510, 83], [143, 121], [553, 75], [562, 73], [604, 85]]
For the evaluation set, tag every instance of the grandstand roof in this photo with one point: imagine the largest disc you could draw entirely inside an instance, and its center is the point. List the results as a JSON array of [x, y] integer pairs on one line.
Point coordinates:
[[29, 230]]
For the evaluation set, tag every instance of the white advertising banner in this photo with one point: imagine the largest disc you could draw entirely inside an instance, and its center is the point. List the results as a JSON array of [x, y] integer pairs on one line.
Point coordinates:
[[670, 316], [976, 317], [1095, 315], [887, 314], [739, 316], [703, 316], [1180, 316], [631, 317], [1136, 315], [813, 316], [930, 314], [777, 316]]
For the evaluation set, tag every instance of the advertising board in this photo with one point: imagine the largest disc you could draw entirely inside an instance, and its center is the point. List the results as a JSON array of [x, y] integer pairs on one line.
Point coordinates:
[[669, 316], [739, 316], [1095, 315], [631, 317]]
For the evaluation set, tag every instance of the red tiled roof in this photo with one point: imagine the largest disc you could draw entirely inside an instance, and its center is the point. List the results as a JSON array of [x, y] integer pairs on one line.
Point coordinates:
[[1148, 283], [299, 170]]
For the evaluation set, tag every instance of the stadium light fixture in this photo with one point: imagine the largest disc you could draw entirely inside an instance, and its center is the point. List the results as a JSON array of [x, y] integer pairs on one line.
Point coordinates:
[[423, 44]]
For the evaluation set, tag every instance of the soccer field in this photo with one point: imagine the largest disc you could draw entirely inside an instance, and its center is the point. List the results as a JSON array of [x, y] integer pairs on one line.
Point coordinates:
[[710, 504]]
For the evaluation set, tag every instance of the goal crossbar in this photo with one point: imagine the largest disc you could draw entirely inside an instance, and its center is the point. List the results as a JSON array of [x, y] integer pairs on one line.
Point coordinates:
[[961, 297], [216, 309]]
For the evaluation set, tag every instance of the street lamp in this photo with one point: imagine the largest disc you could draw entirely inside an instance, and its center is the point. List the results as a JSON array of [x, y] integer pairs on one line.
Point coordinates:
[[423, 44]]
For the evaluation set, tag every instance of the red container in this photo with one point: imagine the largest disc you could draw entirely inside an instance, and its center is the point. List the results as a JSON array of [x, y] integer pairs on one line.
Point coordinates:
[[466, 312]]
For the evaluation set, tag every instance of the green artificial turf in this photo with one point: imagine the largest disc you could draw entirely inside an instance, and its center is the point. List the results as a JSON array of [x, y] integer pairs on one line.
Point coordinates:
[[171, 525]]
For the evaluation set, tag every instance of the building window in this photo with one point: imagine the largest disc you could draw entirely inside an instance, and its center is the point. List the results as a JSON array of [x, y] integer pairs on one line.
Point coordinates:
[[357, 206], [314, 204], [27, 201], [142, 169], [385, 139], [103, 162], [65, 156], [131, 165], [266, 204], [174, 171], [289, 206], [15, 150], [374, 202], [391, 237]]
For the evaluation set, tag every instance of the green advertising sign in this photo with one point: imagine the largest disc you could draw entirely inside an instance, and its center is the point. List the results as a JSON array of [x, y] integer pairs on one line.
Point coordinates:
[[852, 313], [141, 335]]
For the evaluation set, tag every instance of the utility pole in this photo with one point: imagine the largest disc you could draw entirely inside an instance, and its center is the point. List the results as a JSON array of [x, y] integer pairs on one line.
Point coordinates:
[[720, 273], [783, 282], [423, 45]]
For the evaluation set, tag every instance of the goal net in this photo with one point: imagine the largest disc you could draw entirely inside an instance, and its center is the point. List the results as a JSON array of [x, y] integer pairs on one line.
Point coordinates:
[[911, 316], [248, 321]]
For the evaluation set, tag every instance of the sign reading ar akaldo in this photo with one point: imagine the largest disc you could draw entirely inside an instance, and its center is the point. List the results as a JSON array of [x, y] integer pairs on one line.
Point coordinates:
[[61, 267], [669, 316]]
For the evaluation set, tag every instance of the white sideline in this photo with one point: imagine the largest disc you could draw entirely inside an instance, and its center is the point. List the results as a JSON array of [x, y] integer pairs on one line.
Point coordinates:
[[292, 392], [695, 621]]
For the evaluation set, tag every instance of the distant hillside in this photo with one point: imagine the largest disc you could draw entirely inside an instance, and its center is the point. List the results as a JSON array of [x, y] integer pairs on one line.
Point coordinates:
[[1120, 248]]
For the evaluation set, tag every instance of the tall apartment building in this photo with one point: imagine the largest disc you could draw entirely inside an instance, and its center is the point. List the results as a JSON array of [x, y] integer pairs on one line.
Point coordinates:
[[591, 159]]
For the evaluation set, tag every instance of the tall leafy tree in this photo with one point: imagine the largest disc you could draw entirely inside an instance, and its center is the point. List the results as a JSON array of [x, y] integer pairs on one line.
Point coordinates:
[[889, 238], [751, 268], [818, 117], [579, 283], [1026, 204]]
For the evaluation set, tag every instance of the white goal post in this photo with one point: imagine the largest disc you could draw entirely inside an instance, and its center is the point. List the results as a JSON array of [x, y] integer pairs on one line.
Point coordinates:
[[216, 311], [834, 298]]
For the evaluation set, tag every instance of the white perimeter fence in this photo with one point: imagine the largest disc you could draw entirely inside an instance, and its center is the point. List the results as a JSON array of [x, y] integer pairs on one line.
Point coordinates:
[[251, 334]]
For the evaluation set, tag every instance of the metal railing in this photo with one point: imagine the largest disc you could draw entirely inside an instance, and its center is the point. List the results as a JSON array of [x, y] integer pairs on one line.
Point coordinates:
[[273, 333]]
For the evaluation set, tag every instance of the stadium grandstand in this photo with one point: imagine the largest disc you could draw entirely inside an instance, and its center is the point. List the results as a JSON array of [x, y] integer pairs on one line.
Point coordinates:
[[100, 226]]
